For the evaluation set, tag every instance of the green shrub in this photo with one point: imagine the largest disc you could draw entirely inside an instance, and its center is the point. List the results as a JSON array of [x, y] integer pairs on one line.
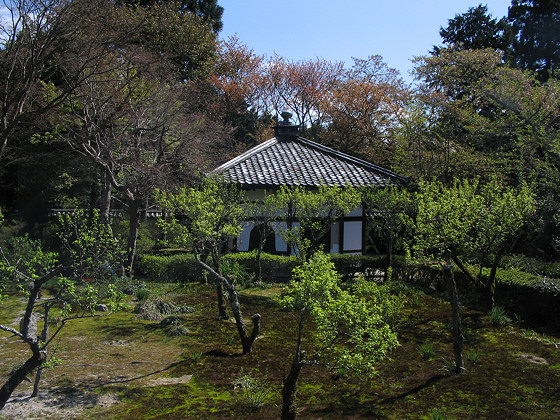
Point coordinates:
[[278, 268], [427, 350], [254, 392], [352, 265], [195, 357], [142, 293], [498, 316], [448, 366], [473, 355], [236, 271], [173, 268], [274, 268], [531, 265], [437, 414]]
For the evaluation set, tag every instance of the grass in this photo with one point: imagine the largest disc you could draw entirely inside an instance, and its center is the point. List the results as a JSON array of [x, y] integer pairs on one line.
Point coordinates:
[[124, 356], [427, 351], [498, 316]]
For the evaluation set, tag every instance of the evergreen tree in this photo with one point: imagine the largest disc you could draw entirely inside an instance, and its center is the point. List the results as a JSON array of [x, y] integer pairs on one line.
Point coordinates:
[[209, 10], [476, 29], [536, 43]]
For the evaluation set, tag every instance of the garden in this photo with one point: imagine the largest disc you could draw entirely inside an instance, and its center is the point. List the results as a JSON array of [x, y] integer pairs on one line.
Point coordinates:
[[428, 329]]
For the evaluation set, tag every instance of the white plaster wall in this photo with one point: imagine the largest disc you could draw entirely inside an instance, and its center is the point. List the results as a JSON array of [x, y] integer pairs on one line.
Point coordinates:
[[352, 230], [244, 236], [335, 238], [281, 246], [352, 236], [357, 212]]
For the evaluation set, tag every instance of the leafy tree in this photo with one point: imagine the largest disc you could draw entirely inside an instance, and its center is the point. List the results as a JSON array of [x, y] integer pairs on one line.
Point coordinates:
[[363, 110], [310, 214], [205, 219], [238, 79], [44, 57], [264, 213], [536, 43], [390, 218], [88, 245], [166, 35], [473, 222], [208, 10], [476, 29], [351, 332], [27, 268], [492, 119], [142, 134]]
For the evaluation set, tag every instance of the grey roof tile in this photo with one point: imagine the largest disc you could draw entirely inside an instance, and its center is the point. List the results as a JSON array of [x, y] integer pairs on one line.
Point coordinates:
[[298, 161]]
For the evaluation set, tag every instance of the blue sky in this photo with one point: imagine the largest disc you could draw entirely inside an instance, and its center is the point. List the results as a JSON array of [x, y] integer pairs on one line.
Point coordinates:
[[340, 30]]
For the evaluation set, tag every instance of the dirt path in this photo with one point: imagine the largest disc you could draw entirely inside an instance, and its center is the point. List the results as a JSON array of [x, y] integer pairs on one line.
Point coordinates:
[[69, 403]]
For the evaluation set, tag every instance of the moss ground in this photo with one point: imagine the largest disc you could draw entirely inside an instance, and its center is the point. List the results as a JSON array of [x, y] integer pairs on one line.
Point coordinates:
[[511, 372]]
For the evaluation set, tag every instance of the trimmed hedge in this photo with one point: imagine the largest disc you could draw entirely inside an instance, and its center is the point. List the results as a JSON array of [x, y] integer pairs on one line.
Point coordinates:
[[521, 293], [275, 268], [181, 268]]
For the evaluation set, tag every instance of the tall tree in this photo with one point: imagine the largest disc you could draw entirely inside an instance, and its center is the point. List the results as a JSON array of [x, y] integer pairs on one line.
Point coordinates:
[[44, 57], [177, 39], [363, 110], [238, 79], [208, 10], [471, 221], [300, 87], [536, 28], [389, 213], [142, 135], [476, 29]]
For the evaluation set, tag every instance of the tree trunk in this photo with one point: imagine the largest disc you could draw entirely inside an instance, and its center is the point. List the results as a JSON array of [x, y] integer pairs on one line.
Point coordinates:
[[492, 286], [389, 261], [105, 199], [37, 381], [258, 270], [19, 376], [289, 408], [134, 206], [44, 337], [464, 269], [222, 311], [29, 335], [246, 340], [456, 319]]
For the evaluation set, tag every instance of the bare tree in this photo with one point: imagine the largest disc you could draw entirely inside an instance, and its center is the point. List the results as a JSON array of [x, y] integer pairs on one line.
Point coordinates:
[[44, 56]]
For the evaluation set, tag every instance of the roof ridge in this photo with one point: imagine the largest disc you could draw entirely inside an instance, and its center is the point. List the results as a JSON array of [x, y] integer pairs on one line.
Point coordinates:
[[245, 155]]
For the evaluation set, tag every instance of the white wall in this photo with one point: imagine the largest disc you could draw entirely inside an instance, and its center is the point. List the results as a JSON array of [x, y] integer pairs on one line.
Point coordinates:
[[244, 236], [352, 236]]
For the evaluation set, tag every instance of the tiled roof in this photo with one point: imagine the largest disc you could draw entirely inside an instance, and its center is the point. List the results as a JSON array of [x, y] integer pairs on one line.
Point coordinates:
[[298, 161]]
